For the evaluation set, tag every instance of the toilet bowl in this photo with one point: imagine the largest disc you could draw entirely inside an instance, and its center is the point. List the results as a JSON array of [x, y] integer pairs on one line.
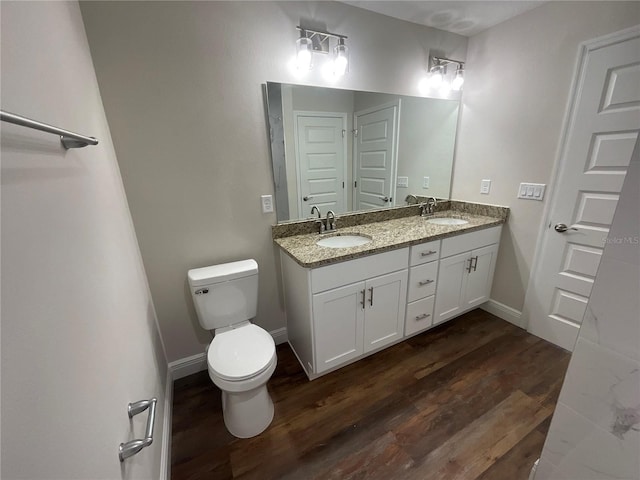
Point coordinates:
[[242, 356], [240, 361]]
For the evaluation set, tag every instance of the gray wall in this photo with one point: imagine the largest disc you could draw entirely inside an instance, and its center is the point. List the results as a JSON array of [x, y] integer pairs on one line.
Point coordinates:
[[181, 84], [515, 96], [79, 333]]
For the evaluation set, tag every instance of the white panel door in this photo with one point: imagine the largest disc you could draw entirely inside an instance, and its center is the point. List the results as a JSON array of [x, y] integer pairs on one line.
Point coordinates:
[[321, 161], [338, 317], [603, 129], [375, 155], [384, 314]]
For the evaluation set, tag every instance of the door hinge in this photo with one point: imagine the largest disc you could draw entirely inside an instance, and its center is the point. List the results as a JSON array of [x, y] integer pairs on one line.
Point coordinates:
[[342, 184], [355, 184]]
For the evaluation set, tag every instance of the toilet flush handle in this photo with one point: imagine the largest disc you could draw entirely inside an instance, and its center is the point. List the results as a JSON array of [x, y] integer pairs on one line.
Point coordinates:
[[202, 291]]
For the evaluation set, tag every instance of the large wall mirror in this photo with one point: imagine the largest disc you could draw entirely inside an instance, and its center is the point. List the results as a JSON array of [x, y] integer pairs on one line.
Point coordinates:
[[347, 151]]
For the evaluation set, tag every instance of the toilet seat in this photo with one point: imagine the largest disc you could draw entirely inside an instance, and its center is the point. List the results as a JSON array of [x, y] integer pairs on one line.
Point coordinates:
[[241, 353]]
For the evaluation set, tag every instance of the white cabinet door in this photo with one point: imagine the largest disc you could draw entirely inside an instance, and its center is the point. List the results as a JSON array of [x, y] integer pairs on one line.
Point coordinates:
[[480, 278], [385, 306], [338, 325], [451, 283]]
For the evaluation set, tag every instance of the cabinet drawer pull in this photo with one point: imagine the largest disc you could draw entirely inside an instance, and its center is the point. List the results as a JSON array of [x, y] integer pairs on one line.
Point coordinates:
[[423, 316], [363, 292], [468, 269], [425, 282], [371, 298], [426, 254], [475, 263]]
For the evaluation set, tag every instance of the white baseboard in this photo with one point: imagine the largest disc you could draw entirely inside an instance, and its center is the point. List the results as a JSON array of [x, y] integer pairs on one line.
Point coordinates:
[[188, 366], [279, 335], [165, 459], [504, 312], [184, 367]]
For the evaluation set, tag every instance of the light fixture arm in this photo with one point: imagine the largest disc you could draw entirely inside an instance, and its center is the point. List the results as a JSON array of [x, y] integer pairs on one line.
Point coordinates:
[[443, 62], [320, 39]]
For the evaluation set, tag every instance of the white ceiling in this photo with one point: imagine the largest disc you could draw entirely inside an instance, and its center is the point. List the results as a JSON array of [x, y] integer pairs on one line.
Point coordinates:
[[465, 18]]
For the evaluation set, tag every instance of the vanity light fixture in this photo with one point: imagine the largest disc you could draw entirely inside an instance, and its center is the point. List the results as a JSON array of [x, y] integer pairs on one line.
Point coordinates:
[[304, 49], [436, 78], [313, 41], [458, 80]]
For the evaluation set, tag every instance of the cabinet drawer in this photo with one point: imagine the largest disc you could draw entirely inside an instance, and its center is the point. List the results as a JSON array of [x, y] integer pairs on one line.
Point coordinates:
[[425, 252], [419, 315], [344, 273], [469, 241], [422, 281]]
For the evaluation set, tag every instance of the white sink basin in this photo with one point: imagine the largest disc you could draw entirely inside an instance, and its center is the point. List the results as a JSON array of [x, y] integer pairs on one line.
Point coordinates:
[[343, 241], [447, 221]]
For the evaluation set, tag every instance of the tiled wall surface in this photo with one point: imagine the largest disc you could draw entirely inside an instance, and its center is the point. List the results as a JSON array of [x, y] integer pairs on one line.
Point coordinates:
[[595, 432]]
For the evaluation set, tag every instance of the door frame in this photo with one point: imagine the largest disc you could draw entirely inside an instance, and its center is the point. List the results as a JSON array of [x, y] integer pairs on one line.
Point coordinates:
[[306, 113], [559, 163], [394, 155]]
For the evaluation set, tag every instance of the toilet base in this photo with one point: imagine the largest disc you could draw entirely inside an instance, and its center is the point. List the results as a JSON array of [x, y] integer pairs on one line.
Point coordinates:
[[247, 414]]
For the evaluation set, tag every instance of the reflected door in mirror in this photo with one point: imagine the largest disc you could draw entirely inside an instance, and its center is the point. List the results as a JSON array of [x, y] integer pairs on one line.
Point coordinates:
[[321, 151], [376, 147]]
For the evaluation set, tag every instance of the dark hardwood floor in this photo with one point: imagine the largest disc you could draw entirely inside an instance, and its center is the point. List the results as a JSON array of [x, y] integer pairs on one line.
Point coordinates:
[[471, 399]]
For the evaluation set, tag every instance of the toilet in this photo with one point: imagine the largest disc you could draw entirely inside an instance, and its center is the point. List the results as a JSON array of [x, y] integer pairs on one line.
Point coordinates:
[[242, 356]]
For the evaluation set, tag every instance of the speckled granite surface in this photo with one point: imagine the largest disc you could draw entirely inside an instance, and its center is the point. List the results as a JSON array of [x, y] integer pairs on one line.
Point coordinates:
[[301, 227], [386, 235]]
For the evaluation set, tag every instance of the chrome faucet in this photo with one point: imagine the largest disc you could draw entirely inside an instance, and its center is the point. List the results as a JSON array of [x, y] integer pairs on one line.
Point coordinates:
[[431, 204], [319, 221], [331, 220]]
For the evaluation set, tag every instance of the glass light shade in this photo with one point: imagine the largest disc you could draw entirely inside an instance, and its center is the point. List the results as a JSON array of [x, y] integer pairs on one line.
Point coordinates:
[[435, 77], [304, 49], [341, 62], [458, 80]]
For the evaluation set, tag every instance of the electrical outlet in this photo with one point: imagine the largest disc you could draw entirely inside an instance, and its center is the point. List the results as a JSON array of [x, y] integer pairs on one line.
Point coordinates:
[[425, 182], [531, 191], [267, 203], [485, 187], [403, 182]]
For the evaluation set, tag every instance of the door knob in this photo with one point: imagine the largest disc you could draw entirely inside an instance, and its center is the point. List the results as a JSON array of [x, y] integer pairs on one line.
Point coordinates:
[[561, 228], [385, 199], [307, 198]]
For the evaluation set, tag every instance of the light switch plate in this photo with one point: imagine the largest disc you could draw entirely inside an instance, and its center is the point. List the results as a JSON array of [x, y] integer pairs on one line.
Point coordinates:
[[403, 182], [531, 191], [485, 186], [425, 182], [267, 203]]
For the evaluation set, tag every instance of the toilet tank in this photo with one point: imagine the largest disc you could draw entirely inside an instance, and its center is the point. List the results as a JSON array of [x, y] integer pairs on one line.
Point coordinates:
[[225, 294]]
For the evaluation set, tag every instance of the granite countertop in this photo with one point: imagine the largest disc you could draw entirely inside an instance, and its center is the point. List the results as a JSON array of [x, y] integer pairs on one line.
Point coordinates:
[[386, 235]]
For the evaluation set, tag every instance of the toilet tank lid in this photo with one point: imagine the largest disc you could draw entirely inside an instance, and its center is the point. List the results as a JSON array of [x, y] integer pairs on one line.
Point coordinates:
[[222, 273]]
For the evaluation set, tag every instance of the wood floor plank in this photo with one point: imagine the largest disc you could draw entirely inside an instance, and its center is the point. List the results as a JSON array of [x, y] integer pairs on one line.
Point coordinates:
[[516, 463], [475, 448], [469, 399]]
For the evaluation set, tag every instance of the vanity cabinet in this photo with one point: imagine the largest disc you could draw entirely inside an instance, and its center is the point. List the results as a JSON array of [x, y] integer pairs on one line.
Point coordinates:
[[423, 276], [358, 318], [467, 265], [341, 312]]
